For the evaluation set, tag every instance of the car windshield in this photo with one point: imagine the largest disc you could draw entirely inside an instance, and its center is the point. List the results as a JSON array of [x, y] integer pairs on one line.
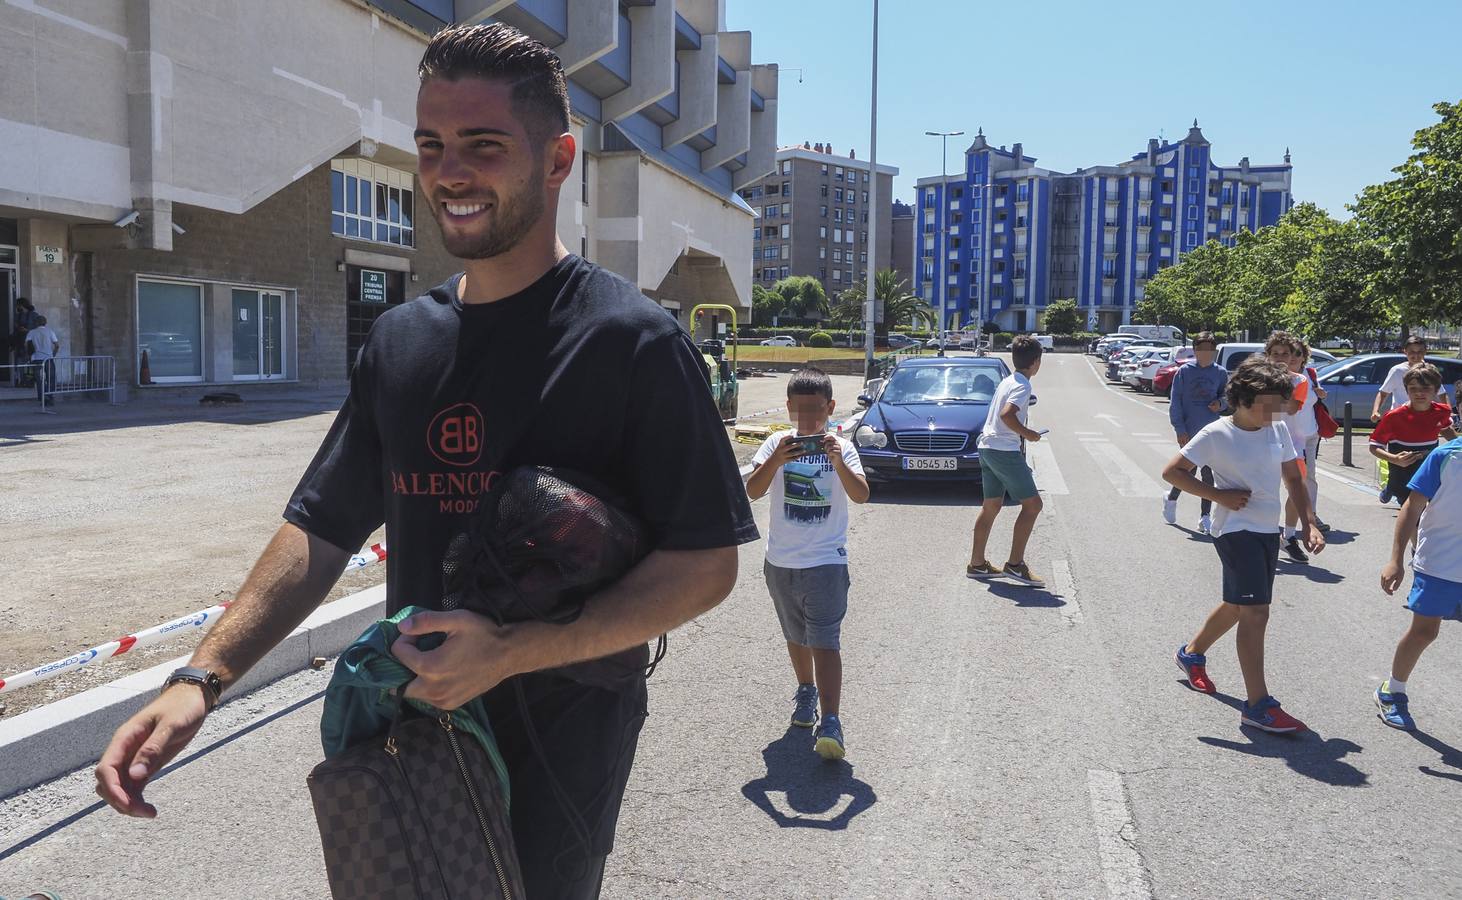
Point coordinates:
[[929, 384]]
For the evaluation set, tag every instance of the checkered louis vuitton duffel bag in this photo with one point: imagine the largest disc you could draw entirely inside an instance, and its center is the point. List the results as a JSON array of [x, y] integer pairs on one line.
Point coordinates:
[[421, 813]]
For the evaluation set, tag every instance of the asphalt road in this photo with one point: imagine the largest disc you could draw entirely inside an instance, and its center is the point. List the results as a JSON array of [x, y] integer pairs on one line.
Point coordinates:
[[1003, 742]]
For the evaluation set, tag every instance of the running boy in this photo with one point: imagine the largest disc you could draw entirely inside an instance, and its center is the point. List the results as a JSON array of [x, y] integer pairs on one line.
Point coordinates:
[[1434, 501], [1003, 467], [1304, 429], [807, 563], [1406, 434], [1250, 454], [1195, 401]]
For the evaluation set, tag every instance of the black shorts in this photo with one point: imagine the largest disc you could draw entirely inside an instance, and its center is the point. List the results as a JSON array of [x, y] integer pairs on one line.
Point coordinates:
[[589, 735], [1249, 560]]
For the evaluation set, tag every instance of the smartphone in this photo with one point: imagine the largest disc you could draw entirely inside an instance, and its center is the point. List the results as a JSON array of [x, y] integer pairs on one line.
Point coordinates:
[[808, 443], [1043, 431]]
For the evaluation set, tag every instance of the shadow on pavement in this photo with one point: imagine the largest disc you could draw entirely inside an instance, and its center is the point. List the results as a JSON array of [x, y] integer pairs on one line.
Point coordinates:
[[1307, 753], [1024, 595], [803, 790], [1193, 534], [1337, 537], [83, 418], [1451, 756], [1234, 702]]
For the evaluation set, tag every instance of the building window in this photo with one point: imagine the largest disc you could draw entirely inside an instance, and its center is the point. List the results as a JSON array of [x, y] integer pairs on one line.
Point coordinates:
[[865, 218], [849, 235], [865, 196], [929, 198], [837, 275], [837, 215], [837, 235], [1192, 185], [1192, 213], [837, 256], [822, 212], [756, 233], [786, 251], [822, 231], [1020, 268], [786, 189], [1109, 268], [865, 237], [170, 329], [863, 257], [785, 271], [822, 253], [838, 173], [786, 232], [1023, 192], [786, 209], [786, 167], [849, 275], [1192, 171], [838, 195], [371, 202], [823, 190], [1191, 240], [997, 292]]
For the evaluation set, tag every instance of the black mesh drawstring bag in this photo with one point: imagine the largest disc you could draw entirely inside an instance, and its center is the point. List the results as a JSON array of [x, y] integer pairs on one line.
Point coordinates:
[[543, 543]]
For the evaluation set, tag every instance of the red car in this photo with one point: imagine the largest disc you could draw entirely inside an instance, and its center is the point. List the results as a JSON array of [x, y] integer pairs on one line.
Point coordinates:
[[1162, 382]]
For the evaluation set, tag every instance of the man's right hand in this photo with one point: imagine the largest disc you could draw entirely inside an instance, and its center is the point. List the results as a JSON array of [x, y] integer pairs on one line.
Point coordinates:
[[1233, 498], [145, 744]]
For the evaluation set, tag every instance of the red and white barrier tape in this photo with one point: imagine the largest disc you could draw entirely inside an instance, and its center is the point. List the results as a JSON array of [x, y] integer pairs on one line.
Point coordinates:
[[202, 619]]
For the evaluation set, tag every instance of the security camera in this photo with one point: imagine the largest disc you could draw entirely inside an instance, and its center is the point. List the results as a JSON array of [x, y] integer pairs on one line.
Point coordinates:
[[128, 219], [178, 229]]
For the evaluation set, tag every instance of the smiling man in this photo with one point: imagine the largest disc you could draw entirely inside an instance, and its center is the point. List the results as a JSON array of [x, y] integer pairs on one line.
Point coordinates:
[[531, 356]]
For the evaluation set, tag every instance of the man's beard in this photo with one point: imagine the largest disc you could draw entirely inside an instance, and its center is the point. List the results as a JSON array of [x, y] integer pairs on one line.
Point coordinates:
[[505, 225]]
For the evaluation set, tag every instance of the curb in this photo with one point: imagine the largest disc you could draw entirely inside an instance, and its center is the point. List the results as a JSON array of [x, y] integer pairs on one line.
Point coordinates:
[[50, 741]]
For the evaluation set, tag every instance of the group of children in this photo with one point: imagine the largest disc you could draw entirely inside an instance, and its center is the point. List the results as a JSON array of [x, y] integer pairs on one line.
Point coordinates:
[[1253, 470]]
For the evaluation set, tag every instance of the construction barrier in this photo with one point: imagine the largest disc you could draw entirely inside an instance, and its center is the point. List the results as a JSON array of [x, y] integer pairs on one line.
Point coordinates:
[[202, 619]]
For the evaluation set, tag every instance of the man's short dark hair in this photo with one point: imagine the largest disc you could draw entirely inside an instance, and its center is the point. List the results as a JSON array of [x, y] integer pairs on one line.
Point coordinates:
[[1025, 351], [1205, 337], [1423, 373], [1254, 376], [809, 381], [1280, 339], [1415, 340], [499, 52]]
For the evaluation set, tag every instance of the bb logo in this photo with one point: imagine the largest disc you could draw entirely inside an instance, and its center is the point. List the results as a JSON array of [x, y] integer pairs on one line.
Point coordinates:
[[455, 436]]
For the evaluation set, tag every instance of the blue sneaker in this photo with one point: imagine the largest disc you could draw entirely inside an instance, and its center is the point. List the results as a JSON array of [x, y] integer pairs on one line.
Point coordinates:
[[1392, 708], [830, 739], [804, 714]]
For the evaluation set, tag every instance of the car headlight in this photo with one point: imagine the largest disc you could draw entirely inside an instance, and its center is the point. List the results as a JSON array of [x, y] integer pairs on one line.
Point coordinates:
[[868, 436]]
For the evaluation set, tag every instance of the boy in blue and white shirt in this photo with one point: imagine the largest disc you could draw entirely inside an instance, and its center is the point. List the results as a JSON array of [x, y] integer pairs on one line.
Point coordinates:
[[1432, 516]]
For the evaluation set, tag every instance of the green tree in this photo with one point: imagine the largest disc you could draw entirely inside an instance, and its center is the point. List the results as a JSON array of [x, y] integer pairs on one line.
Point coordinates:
[[1063, 317], [802, 296], [765, 304], [1338, 288], [892, 295], [1416, 219], [1265, 265], [1195, 293]]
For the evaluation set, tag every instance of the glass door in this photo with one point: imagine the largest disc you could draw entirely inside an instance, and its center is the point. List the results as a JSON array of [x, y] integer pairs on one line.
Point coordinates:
[[7, 306], [258, 333]]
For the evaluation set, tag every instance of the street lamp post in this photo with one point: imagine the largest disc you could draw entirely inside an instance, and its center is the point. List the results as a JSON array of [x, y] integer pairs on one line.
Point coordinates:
[[870, 246], [943, 269]]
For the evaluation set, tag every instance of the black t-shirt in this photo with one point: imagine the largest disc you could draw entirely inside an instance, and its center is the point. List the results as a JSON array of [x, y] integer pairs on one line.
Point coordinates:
[[440, 387]]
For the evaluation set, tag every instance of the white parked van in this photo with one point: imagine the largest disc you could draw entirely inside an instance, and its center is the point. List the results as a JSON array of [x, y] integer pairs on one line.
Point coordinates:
[[1162, 332]]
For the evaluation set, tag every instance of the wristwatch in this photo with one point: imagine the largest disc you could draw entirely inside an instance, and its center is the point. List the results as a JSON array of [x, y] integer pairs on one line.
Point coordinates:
[[211, 684]]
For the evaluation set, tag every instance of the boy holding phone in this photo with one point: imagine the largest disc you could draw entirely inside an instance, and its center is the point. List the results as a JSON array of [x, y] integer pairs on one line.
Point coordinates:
[[807, 563]]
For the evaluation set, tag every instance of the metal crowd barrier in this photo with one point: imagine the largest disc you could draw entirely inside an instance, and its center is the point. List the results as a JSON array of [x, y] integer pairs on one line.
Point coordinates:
[[80, 375]]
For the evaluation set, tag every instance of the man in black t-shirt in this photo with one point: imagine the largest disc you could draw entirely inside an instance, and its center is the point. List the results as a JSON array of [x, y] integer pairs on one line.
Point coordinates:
[[532, 356]]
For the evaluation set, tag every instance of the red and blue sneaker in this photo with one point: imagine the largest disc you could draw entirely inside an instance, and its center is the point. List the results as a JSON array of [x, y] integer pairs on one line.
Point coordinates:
[[1194, 666], [1267, 715]]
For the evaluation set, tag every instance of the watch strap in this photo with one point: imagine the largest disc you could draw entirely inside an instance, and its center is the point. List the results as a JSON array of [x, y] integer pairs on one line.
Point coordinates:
[[211, 684]]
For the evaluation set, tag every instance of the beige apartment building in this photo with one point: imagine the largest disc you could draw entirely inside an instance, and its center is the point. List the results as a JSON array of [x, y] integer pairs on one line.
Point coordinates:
[[230, 188], [814, 218]]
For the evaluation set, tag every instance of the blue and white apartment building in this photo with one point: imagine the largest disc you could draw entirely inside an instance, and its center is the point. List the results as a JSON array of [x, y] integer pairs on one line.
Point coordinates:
[[1003, 238]]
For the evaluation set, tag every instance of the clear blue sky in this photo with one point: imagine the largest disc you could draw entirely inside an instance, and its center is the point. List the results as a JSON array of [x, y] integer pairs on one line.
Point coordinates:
[[1343, 84]]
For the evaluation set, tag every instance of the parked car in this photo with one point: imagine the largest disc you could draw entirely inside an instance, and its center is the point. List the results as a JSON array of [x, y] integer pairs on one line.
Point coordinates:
[[898, 341], [1358, 380], [1127, 372], [1231, 355], [925, 419], [780, 340], [1162, 379], [1145, 372], [951, 342]]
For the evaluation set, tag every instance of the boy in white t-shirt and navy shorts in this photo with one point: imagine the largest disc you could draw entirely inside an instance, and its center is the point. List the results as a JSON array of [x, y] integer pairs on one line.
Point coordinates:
[[811, 476], [1250, 454]]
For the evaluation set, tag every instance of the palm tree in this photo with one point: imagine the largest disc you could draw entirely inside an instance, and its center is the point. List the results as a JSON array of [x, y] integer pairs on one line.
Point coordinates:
[[899, 306]]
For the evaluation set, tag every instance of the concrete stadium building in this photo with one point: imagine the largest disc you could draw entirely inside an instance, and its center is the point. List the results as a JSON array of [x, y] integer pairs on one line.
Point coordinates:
[[231, 187]]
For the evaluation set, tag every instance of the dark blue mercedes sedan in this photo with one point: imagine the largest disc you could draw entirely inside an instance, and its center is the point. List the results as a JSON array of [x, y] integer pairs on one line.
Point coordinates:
[[924, 420]]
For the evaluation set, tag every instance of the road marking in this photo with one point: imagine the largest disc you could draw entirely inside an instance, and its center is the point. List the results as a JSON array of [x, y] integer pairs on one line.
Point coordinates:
[[1117, 393], [1113, 420], [1043, 463], [1146, 434], [1095, 439], [1117, 837], [1066, 589], [1080, 433], [1126, 476]]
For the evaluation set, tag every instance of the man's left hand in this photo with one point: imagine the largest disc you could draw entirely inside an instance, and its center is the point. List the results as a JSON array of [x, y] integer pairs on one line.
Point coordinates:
[[474, 658]]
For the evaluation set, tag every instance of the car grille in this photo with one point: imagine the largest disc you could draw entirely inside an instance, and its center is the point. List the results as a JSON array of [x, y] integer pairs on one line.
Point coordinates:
[[931, 441]]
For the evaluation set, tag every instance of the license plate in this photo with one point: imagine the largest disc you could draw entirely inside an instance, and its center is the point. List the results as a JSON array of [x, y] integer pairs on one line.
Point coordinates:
[[935, 463]]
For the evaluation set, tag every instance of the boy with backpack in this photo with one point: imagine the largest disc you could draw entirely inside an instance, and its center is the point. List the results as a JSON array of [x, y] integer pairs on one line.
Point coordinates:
[[1251, 454], [807, 561], [1432, 518]]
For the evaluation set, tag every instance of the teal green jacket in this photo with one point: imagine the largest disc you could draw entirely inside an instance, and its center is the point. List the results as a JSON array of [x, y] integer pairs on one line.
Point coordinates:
[[360, 700]]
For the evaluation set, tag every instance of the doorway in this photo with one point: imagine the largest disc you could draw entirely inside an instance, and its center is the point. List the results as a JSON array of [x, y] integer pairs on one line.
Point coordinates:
[[258, 335], [368, 293], [8, 280]]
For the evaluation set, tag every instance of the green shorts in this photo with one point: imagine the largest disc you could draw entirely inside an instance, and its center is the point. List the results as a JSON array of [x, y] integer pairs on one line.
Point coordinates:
[[1006, 472]]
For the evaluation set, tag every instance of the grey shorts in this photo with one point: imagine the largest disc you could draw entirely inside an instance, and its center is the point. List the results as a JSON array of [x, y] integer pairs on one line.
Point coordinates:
[[810, 603]]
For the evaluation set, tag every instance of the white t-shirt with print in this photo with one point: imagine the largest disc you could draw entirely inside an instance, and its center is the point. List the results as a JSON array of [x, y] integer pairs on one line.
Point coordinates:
[[809, 521], [1245, 460], [996, 435]]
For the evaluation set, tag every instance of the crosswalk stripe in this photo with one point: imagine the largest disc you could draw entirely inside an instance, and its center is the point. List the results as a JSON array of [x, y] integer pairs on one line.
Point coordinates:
[[1129, 479], [1043, 464]]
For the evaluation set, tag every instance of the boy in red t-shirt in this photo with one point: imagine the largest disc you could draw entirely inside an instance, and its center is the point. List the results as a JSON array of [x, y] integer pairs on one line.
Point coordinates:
[[1406, 434]]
